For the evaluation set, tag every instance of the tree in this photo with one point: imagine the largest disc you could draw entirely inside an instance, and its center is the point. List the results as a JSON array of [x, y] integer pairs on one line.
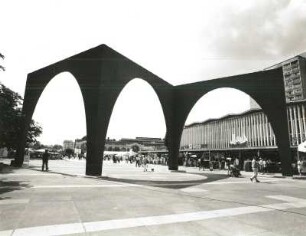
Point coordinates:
[[37, 145], [11, 120], [69, 152], [2, 67], [57, 147], [135, 148]]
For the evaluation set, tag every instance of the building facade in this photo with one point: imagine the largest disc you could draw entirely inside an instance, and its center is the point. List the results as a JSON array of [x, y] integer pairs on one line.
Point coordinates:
[[68, 144], [250, 129], [138, 144], [294, 74]]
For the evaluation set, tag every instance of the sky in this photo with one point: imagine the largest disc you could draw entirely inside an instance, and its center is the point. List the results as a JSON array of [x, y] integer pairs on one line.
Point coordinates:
[[180, 41]]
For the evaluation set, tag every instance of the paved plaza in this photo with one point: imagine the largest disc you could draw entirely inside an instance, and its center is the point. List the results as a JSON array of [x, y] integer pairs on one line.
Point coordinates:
[[128, 201]]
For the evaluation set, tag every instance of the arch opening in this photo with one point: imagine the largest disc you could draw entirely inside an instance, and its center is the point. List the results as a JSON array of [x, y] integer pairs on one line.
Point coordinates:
[[137, 124], [228, 123], [60, 111]]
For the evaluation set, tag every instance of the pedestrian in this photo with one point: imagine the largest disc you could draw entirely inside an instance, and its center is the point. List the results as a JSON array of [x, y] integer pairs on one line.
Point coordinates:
[[45, 159], [255, 166], [228, 165], [202, 164], [137, 161], [264, 164], [299, 167], [145, 163], [260, 165], [236, 163]]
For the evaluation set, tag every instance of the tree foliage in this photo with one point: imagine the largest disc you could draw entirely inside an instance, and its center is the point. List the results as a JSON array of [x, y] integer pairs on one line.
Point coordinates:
[[135, 148], [69, 152], [11, 120]]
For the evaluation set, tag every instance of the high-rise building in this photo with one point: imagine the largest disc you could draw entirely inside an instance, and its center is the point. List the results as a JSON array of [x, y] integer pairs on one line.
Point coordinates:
[[294, 75]]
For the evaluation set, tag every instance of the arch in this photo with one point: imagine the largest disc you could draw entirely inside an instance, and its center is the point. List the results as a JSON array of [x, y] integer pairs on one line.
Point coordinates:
[[108, 100], [226, 122], [67, 104], [265, 87], [136, 92], [219, 102], [35, 86]]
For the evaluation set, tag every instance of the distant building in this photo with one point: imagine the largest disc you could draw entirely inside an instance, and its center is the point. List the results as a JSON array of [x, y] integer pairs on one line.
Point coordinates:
[[80, 146], [140, 143], [68, 144]]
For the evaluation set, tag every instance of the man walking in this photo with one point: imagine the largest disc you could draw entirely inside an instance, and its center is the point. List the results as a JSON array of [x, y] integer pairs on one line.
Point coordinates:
[[45, 159], [255, 166]]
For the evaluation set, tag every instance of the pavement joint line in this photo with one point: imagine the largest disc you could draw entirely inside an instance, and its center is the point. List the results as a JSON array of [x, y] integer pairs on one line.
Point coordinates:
[[84, 186], [14, 201], [239, 182], [25, 174], [86, 227], [194, 190]]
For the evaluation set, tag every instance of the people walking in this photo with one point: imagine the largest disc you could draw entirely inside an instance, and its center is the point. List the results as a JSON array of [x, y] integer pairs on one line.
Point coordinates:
[[255, 166], [45, 159]]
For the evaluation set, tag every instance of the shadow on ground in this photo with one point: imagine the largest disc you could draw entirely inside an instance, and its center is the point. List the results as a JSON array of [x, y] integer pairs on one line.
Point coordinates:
[[6, 169], [171, 184], [210, 177], [9, 185]]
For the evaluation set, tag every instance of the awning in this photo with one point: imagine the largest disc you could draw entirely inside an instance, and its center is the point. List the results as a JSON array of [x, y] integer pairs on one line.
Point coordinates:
[[302, 147]]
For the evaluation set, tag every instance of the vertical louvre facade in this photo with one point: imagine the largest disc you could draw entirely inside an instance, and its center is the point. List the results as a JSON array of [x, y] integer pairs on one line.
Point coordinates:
[[250, 129]]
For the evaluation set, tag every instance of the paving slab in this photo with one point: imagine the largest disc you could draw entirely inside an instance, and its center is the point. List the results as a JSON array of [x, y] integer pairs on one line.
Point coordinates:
[[128, 201]]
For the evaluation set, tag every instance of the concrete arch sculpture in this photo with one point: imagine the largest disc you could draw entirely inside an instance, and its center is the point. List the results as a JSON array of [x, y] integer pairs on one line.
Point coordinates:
[[102, 73], [265, 87]]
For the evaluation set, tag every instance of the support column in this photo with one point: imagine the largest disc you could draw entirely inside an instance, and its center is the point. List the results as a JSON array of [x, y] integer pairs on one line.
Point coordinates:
[[300, 124], [303, 121], [296, 136], [291, 125]]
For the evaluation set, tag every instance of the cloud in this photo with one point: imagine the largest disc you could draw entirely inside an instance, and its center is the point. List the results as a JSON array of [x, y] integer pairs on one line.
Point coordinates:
[[260, 30]]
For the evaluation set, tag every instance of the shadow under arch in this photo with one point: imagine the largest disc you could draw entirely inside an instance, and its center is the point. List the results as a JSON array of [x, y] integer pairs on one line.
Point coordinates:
[[231, 126], [68, 104], [138, 92], [265, 87]]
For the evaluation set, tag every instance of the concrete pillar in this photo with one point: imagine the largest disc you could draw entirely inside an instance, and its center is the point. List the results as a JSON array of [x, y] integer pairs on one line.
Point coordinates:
[[300, 123], [296, 136], [303, 121]]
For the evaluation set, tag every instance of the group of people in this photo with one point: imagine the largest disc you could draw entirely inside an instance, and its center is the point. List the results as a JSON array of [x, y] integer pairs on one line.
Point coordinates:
[[142, 161], [258, 164]]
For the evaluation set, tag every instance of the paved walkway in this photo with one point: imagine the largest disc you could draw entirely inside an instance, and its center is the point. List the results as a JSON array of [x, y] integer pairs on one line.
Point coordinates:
[[128, 201]]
